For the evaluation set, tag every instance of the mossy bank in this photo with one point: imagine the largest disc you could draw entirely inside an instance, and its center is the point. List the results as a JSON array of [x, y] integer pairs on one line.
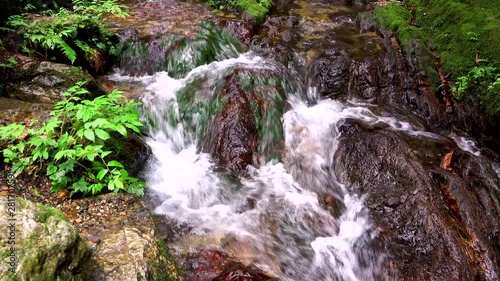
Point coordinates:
[[465, 34]]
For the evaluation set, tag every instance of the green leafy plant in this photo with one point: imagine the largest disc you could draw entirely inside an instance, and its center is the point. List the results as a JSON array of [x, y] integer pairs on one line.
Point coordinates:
[[256, 8], [74, 144], [69, 32], [9, 63], [483, 81]]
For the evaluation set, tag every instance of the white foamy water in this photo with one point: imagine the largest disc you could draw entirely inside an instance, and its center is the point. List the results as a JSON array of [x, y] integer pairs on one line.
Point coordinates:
[[273, 218], [466, 144]]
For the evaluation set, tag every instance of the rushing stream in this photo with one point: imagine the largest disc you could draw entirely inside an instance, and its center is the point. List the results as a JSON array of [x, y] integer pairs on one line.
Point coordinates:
[[287, 215], [283, 226]]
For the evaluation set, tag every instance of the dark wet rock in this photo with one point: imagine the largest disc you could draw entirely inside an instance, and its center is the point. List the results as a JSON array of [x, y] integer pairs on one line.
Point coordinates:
[[247, 126], [46, 245], [379, 73], [468, 117], [132, 152], [472, 192], [45, 81], [213, 265], [146, 55], [332, 75], [410, 72], [243, 30], [232, 135], [125, 246], [425, 239]]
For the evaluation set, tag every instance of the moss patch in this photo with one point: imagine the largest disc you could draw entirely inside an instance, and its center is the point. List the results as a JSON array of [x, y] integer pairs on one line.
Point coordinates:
[[162, 265], [456, 29], [257, 8], [45, 212], [465, 33]]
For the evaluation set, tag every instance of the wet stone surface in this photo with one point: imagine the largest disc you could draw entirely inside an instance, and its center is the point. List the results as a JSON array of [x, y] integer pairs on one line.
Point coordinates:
[[406, 202]]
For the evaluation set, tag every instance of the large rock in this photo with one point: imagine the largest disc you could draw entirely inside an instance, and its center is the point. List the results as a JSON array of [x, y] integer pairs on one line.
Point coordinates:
[[233, 135], [211, 265], [38, 242], [45, 81], [126, 246], [424, 235], [248, 127], [242, 29]]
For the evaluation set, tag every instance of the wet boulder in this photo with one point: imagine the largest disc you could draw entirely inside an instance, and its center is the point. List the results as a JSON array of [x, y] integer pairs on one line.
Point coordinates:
[[471, 190], [247, 127], [332, 75], [242, 29], [232, 134], [211, 265], [423, 237], [39, 241]]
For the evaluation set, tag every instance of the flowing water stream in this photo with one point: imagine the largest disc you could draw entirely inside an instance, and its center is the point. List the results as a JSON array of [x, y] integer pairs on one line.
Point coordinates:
[[283, 226], [275, 216]]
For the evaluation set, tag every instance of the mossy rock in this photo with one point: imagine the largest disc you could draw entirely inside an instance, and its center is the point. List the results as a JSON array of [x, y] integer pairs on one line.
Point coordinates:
[[47, 246], [127, 246], [456, 29]]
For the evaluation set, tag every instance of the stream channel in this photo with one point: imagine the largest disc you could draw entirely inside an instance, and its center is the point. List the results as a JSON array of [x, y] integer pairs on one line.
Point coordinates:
[[247, 145]]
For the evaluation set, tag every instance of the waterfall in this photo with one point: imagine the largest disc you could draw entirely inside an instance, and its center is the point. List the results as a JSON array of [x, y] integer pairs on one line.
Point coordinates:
[[276, 210]]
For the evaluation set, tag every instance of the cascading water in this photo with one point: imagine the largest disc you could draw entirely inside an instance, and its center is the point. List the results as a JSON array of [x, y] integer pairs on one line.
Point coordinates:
[[273, 217], [291, 218]]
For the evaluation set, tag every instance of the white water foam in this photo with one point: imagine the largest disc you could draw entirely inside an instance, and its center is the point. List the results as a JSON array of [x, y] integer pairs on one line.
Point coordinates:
[[276, 211], [466, 144]]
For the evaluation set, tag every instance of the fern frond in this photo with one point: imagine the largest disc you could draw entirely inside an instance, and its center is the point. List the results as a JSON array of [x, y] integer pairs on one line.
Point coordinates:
[[66, 50]]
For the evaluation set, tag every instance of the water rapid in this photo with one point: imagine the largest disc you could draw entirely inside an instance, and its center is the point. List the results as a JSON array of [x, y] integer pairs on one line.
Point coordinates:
[[309, 157], [291, 218]]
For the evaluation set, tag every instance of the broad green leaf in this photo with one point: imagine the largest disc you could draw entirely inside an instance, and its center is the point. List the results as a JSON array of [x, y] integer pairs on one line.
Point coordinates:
[[121, 129], [51, 169], [103, 135], [105, 153], [89, 134], [134, 128], [102, 173], [114, 163], [118, 185]]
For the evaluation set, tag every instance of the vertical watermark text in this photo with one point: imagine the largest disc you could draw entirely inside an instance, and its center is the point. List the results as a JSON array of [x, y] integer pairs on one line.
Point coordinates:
[[12, 257]]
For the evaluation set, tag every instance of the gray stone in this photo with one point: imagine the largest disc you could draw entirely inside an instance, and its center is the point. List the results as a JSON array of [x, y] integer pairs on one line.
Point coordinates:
[[43, 244], [45, 81]]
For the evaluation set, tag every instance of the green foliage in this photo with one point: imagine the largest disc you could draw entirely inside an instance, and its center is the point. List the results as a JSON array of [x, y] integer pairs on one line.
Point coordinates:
[[462, 31], [74, 143], [256, 8], [63, 31], [458, 30], [211, 43], [397, 18], [483, 81], [9, 63]]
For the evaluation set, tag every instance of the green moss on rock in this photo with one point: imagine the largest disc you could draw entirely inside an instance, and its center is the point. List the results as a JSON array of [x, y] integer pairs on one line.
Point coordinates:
[[256, 8], [162, 265], [47, 245], [456, 29]]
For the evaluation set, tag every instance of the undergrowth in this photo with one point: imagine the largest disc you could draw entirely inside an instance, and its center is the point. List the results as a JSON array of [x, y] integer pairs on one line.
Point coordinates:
[[74, 145], [466, 34], [257, 8], [79, 33]]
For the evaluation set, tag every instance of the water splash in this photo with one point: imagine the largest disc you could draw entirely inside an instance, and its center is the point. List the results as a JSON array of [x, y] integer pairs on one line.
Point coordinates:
[[276, 217], [466, 144]]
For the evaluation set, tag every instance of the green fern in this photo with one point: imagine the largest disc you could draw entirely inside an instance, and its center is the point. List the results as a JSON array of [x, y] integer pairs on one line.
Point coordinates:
[[58, 31], [67, 50]]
